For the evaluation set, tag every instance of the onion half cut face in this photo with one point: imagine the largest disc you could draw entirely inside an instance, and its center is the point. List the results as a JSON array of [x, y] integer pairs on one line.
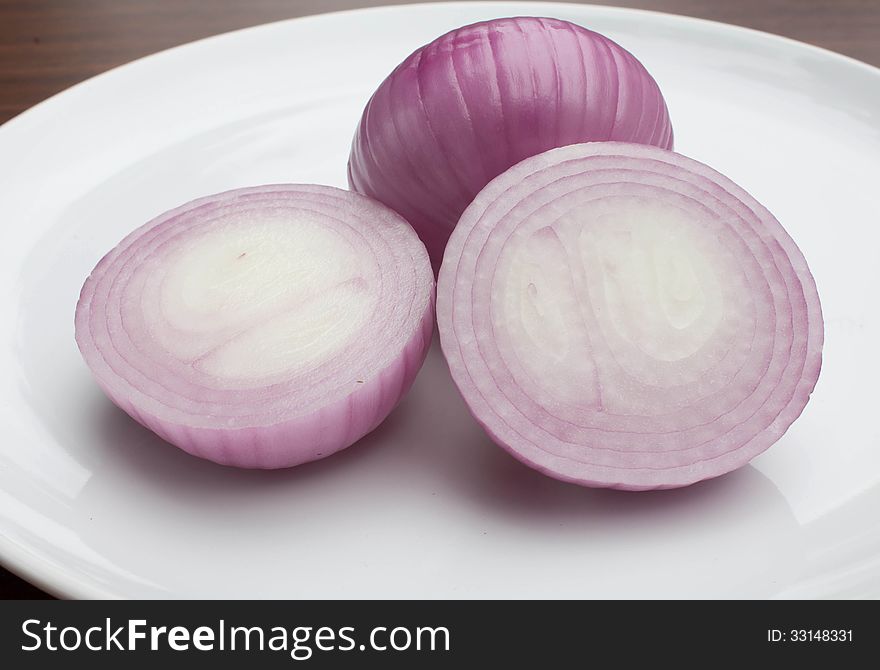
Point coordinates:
[[261, 327], [619, 315]]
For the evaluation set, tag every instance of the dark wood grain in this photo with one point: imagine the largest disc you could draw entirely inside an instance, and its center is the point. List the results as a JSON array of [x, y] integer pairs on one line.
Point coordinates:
[[49, 45]]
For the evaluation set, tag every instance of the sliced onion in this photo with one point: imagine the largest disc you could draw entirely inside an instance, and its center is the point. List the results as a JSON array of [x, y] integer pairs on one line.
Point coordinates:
[[261, 327], [619, 315], [472, 103]]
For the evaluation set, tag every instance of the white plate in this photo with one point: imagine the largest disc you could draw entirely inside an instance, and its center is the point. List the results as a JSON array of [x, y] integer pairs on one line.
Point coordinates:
[[93, 505]]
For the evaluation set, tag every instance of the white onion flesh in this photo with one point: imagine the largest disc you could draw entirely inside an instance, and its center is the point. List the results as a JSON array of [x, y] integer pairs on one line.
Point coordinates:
[[619, 315], [262, 327]]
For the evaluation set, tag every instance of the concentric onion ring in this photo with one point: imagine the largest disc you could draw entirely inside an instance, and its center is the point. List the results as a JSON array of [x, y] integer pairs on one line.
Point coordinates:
[[619, 315], [261, 327]]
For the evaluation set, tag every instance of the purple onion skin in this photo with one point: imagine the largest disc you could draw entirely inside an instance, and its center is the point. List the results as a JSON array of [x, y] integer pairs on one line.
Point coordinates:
[[303, 439], [463, 109]]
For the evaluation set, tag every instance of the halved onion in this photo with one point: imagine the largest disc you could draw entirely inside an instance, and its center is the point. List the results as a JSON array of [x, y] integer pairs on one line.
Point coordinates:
[[472, 103], [261, 327], [619, 315]]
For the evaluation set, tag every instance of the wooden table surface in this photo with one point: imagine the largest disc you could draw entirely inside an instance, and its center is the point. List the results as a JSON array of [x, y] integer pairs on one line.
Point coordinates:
[[49, 45]]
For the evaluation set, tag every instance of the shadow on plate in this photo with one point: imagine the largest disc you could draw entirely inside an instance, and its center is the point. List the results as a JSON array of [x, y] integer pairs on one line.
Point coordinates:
[[429, 445]]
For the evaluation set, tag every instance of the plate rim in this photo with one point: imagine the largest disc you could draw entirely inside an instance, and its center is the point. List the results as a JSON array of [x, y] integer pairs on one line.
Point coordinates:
[[39, 569]]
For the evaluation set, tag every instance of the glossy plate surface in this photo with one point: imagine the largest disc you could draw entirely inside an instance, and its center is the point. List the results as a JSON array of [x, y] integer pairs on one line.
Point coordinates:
[[93, 505]]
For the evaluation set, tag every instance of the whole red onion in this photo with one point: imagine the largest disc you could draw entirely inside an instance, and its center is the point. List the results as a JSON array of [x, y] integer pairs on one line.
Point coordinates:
[[464, 108]]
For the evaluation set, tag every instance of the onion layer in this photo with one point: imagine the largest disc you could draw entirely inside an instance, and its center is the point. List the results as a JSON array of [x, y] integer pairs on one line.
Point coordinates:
[[261, 327], [619, 315], [472, 103]]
